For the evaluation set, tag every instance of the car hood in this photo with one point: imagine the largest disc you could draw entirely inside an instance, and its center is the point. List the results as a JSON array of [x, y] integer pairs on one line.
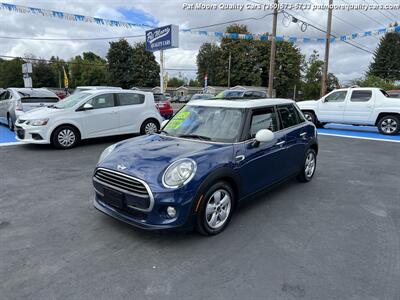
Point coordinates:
[[308, 103], [40, 113], [147, 157]]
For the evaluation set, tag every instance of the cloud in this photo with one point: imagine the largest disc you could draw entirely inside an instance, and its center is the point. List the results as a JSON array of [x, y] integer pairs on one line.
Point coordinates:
[[346, 61]]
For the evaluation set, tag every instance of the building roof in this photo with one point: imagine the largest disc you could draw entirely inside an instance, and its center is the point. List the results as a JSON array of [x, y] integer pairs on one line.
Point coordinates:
[[251, 103]]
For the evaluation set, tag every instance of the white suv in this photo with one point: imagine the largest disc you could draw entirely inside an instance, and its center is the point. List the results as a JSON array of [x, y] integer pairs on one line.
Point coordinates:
[[90, 114], [356, 106]]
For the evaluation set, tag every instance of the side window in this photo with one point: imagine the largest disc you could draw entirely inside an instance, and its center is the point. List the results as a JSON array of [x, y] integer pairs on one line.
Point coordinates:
[[338, 96], [102, 101], [300, 116], [248, 95], [5, 96], [361, 96], [130, 99], [263, 119], [288, 115]]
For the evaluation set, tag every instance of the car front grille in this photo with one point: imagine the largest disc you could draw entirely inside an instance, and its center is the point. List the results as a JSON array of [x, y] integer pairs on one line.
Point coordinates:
[[122, 181]]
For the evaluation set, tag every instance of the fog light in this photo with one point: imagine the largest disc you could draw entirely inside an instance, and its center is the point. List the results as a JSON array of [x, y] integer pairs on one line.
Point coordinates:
[[171, 211]]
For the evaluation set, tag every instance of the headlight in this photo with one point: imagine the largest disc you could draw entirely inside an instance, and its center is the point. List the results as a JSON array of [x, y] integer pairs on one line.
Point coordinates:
[[38, 122], [106, 152], [179, 173]]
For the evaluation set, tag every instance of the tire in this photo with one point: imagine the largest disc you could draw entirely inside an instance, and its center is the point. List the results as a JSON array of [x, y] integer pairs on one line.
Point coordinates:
[[310, 116], [149, 127], [389, 125], [10, 123], [310, 161], [214, 216], [65, 137]]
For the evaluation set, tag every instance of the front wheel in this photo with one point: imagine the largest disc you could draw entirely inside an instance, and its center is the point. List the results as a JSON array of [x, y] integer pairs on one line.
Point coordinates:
[[309, 166], [65, 137], [149, 127], [216, 209], [389, 125], [310, 116]]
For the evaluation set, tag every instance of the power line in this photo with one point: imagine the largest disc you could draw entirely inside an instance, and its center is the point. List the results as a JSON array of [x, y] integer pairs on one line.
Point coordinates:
[[363, 13], [71, 39], [382, 12]]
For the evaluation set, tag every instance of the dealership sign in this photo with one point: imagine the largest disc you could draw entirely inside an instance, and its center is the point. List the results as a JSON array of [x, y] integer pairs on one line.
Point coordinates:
[[162, 38]]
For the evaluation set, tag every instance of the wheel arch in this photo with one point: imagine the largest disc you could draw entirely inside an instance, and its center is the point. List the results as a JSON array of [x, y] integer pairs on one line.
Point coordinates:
[[221, 174], [66, 124], [383, 114], [151, 119]]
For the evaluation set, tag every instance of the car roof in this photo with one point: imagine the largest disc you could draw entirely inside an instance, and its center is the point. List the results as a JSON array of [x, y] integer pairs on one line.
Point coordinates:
[[93, 87], [104, 91], [28, 92], [250, 103]]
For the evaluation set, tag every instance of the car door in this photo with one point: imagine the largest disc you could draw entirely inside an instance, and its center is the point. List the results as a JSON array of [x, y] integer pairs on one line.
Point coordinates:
[[131, 108], [292, 125], [102, 118], [331, 108], [2, 107], [260, 164], [359, 107]]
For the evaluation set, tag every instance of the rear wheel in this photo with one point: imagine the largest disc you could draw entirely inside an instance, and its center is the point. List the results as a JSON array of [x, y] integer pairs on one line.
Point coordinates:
[[65, 137], [10, 123], [309, 166], [149, 127], [216, 209], [389, 125]]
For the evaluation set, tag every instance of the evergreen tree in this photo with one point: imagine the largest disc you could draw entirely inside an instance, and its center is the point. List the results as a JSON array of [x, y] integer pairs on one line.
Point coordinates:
[[120, 64], [386, 63], [146, 72]]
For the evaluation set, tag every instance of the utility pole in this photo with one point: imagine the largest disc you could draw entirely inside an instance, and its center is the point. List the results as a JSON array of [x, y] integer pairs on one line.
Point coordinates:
[[162, 71], [229, 70], [327, 44], [273, 50]]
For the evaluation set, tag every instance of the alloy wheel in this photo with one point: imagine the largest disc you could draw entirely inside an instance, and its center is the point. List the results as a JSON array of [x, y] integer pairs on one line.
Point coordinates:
[[150, 128], [309, 166], [389, 125], [66, 137], [218, 209]]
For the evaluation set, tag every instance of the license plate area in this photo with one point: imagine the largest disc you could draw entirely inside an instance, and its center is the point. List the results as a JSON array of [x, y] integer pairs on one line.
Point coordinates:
[[113, 198]]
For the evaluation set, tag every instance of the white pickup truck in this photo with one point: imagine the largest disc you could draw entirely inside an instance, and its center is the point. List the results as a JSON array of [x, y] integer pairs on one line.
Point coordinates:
[[356, 106]]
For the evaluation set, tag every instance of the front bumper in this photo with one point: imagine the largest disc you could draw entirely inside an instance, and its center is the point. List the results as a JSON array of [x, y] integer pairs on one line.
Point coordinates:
[[155, 219], [32, 134]]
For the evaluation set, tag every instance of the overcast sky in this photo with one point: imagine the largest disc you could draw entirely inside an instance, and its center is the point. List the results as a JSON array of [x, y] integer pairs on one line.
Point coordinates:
[[346, 62]]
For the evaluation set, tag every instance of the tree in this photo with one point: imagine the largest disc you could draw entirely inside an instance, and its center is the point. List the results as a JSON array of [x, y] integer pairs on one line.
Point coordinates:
[[386, 62], [209, 62], [120, 64], [146, 71], [43, 74], [90, 69], [375, 81], [175, 82], [195, 83], [11, 73], [313, 76]]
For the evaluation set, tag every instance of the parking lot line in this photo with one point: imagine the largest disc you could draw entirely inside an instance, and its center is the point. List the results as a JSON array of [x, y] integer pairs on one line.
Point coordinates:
[[358, 137]]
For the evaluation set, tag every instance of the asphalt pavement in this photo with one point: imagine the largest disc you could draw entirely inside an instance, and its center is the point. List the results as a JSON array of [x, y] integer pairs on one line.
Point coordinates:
[[336, 237]]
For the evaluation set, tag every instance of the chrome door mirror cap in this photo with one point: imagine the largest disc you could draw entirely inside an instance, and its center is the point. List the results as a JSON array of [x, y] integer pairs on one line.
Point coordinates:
[[265, 135]]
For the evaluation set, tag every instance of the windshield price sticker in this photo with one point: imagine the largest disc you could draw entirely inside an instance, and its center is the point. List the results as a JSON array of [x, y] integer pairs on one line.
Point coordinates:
[[177, 121]]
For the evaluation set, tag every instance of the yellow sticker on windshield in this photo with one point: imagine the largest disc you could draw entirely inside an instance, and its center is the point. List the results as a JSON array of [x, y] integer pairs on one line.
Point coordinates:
[[176, 122]]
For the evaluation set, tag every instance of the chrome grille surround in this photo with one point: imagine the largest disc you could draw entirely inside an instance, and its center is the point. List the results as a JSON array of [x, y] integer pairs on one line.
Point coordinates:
[[126, 184]]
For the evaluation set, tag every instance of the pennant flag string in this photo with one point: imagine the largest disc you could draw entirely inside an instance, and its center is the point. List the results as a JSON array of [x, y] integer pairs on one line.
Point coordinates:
[[219, 35]]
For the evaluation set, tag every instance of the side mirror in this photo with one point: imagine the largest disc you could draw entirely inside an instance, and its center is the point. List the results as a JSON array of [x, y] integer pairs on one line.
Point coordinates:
[[163, 123], [264, 135], [87, 106]]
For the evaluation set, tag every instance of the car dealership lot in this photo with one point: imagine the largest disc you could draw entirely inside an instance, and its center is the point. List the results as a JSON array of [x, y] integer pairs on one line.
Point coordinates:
[[334, 238]]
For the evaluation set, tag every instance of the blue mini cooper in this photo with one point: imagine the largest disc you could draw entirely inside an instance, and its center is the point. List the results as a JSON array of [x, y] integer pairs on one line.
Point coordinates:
[[210, 156]]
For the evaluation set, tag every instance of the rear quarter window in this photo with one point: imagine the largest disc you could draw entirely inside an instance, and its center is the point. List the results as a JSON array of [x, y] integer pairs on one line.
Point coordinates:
[[130, 99]]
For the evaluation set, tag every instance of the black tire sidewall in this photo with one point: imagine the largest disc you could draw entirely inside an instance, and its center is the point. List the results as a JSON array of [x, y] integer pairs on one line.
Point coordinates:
[[54, 137], [142, 128], [389, 117], [302, 175], [201, 223], [10, 124], [313, 117]]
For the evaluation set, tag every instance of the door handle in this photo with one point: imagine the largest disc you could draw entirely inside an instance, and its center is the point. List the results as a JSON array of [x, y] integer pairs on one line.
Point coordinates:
[[280, 143], [240, 158]]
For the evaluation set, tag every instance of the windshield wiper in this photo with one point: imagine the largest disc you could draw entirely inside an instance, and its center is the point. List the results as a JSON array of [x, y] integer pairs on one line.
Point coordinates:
[[195, 136]]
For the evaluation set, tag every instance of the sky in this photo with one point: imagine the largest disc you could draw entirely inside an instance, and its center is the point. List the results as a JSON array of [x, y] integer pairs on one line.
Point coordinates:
[[346, 62]]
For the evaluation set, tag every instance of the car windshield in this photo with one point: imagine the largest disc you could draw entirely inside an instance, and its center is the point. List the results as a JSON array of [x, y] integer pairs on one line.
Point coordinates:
[[217, 124], [230, 94], [71, 100]]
